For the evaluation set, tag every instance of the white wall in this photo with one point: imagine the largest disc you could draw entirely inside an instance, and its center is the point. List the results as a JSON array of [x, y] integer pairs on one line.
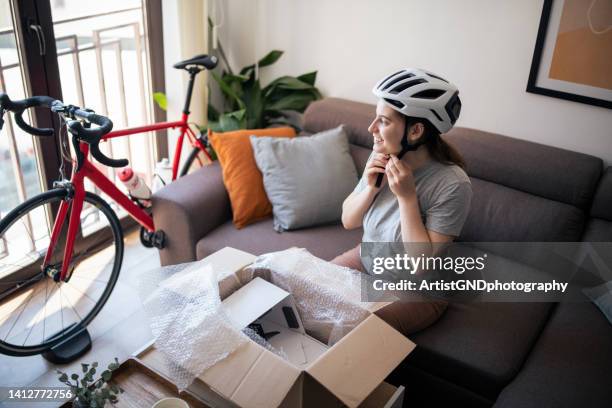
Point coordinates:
[[484, 46], [185, 35]]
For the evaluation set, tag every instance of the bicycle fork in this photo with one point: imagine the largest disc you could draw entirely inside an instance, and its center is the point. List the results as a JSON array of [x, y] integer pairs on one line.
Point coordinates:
[[73, 204]]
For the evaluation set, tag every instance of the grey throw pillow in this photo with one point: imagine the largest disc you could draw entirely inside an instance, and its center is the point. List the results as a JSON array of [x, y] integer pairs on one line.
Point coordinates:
[[306, 178]]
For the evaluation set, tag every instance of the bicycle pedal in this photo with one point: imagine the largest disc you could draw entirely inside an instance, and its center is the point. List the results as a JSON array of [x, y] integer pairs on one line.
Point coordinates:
[[159, 239]]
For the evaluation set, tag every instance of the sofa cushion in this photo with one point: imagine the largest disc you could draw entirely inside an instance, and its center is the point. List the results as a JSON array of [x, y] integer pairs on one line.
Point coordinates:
[[546, 171], [331, 112], [598, 230], [360, 157], [602, 203], [479, 346], [306, 178], [241, 176], [324, 241], [502, 214], [570, 364]]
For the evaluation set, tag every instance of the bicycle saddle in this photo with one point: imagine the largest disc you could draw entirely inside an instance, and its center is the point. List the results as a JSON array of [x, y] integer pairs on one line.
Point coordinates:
[[206, 61]]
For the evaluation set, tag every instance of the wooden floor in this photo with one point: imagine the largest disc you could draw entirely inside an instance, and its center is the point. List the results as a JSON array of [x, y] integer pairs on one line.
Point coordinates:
[[120, 328]]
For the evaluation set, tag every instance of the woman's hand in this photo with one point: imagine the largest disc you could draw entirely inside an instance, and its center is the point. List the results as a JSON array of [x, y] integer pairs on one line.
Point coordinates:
[[375, 167], [401, 179]]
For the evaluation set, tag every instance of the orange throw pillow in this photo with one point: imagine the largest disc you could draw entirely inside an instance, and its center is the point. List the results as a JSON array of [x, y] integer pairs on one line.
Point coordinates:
[[242, 178]]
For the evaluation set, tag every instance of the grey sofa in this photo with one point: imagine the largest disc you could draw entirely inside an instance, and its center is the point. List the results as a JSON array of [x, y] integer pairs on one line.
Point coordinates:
[[481, 354]]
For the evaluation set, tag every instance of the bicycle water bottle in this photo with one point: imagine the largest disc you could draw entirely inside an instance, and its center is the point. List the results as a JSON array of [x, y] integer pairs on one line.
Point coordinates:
[[163, 174], [136, 186]]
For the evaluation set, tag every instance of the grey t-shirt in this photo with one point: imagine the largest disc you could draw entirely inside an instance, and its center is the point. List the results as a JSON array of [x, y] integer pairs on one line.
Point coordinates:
[[444, 193]]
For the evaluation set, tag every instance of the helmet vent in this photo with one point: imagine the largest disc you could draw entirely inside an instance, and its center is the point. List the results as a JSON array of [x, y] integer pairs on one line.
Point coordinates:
[[436, 115], [390, 76], [437, 77], [453, 107], [396, 80], [395, 103], [429, 94], [406, 85]]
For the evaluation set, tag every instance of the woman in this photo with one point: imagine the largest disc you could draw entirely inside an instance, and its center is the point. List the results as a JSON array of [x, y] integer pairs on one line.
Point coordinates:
[[413, 188]]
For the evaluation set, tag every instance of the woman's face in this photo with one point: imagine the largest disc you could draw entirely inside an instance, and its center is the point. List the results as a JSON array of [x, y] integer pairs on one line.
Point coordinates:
[[387, 129]]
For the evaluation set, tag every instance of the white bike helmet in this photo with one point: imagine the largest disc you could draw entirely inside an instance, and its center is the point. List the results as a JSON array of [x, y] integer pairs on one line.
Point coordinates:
[[420, 94]]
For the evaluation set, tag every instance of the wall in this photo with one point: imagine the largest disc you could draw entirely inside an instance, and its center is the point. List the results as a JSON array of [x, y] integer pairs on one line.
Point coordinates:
[[185, 36], [484, 46]]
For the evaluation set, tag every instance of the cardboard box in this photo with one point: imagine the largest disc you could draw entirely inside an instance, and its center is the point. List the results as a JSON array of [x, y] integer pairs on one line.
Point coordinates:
[[349, 373]]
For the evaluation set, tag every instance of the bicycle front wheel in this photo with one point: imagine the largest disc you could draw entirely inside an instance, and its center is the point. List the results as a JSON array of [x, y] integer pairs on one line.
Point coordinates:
[[37, 311]]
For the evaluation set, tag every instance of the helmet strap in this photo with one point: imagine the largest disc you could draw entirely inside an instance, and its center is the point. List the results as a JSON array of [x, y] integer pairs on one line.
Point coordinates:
[[406, 145]]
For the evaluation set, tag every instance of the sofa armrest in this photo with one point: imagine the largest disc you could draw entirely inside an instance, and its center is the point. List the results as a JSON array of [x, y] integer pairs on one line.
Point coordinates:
[[188, 209]]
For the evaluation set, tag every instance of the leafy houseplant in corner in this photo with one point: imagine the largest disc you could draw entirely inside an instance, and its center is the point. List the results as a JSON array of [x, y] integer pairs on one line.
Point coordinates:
[[249, 106], [89, 392]]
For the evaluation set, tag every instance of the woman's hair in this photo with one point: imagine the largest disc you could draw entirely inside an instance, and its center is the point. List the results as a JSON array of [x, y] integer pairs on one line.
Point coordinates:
[[438, 148]]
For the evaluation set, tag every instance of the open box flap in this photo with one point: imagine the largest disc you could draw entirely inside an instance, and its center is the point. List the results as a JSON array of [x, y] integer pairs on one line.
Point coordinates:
[[227, 264], [252, 377], [251, 301], [227, 261], [361, 360]]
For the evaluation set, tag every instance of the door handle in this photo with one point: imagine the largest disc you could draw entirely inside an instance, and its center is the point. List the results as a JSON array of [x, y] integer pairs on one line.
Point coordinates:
[[40, 36]]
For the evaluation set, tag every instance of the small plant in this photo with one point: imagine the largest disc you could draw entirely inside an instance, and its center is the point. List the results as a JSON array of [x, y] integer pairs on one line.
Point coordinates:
[[89, 392]]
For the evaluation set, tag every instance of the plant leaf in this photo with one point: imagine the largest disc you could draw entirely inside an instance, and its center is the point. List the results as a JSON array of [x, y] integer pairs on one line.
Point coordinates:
[[227, 89], [162, 101], [215, 126], [106, 375], [254, 106], [288, 83], [294, 101], [270, 58], [235, 78], [309, 77], [74, 376], [233, 120]]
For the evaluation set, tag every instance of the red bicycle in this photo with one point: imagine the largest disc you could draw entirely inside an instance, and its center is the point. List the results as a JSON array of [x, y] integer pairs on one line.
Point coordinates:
[[51, 287], [199, 143]]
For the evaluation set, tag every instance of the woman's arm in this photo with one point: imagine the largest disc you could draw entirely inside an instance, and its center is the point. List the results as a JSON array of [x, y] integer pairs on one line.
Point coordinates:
[[357, 203], [355, 207]]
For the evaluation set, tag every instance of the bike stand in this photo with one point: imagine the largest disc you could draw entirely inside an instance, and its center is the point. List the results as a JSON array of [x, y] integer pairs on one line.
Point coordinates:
[[70, 349]]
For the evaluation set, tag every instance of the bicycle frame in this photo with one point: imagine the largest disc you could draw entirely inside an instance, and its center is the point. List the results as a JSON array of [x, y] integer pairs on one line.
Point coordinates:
[[181, 124], [75, 205]]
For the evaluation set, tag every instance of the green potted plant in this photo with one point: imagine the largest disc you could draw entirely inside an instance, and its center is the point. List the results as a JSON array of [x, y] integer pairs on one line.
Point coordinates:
[[89, 392], [248, 105]]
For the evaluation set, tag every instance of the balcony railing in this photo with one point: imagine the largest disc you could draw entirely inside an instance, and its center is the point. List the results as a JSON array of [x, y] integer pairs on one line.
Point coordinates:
[[122, 94]]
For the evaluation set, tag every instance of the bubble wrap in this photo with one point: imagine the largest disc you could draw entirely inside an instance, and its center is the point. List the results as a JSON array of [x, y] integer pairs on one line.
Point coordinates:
[[189, 326], [328, 296]]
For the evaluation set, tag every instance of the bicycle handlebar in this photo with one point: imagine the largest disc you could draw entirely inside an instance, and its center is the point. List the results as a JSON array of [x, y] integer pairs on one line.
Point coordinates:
[[75, 127], [18, 107], [91, 136]]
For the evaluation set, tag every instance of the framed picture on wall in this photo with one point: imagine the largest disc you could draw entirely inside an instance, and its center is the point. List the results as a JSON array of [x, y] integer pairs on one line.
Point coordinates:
[[573, 54]]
